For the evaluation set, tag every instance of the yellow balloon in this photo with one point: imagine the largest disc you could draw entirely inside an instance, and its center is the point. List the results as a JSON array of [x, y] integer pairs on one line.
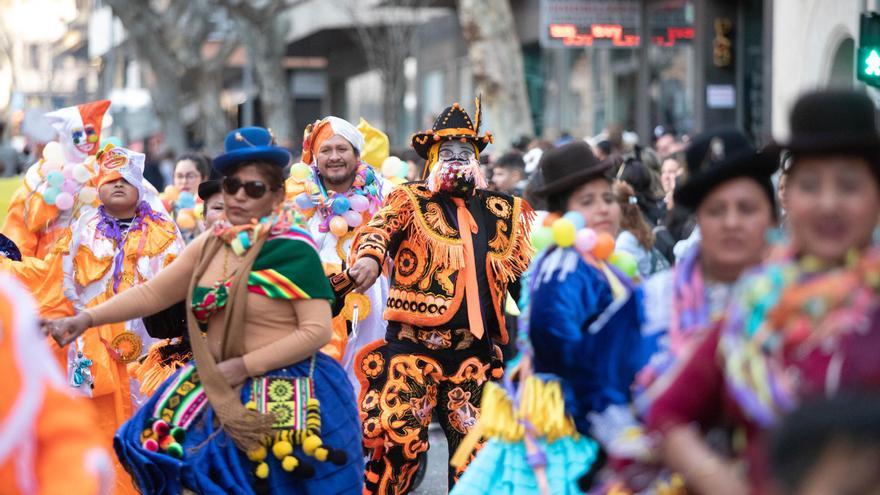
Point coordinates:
[[563, 232], [300, 171]]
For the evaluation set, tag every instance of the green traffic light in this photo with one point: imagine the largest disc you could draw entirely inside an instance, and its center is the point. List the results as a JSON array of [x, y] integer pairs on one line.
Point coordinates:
[[872, 64]]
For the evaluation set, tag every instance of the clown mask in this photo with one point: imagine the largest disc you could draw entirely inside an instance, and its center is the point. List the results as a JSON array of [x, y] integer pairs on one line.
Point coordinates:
[[79, 129], [457, 169]]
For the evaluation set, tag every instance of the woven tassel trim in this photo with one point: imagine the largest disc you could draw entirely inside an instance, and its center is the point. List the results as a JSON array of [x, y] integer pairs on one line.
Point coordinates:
[[541, 409], [509, 264]]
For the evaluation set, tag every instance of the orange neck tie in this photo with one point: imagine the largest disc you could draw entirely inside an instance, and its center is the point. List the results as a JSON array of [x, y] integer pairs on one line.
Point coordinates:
[[467, 227]]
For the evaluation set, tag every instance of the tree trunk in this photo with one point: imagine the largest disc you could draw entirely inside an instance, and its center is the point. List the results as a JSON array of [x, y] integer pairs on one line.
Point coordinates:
[[214, 124], [265, 48], [497, 64], [167, 102], [394, 86]]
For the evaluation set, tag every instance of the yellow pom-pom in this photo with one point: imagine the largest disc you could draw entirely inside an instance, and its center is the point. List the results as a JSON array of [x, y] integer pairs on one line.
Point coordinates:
[[282, 449], [262, 471], [258, 454], [290, 463], [251, 405], [313, 402], [321, 454], [310, 444]]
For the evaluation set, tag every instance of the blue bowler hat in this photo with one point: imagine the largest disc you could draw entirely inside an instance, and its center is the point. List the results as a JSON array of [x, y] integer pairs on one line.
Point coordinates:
[[249, 144]]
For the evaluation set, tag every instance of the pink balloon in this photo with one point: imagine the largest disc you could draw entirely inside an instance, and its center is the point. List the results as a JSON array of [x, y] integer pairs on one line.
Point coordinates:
[[585, 240], [70, 186], [64, 201], [358, 203], [353, 218], [68, 173]]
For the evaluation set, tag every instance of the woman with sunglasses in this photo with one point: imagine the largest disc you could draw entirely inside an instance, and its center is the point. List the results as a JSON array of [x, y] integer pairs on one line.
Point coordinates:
[[260, 410], [804, 325]]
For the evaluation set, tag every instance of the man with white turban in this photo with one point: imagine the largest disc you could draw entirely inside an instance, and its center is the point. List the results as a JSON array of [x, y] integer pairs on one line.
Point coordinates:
[[337, 191]]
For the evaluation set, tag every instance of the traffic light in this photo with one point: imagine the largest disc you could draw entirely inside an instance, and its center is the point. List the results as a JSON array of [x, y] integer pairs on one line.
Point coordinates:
[[868, 66]]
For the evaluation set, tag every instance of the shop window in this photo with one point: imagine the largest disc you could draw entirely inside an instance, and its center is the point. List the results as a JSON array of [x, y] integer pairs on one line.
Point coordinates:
[[671, 63]]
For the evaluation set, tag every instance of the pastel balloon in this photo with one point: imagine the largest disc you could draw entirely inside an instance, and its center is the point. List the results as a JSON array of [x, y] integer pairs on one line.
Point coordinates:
[[81, 174], [300, 171], [390, 167], [50, 195], [340, 205], [563, 232], [186, 200], [359, 203], [575, 218], [541, 238], [186, 220], [585, 240], [171, 193], [199, 210], [70, 186], [52, 153], [604, 246], [68, 173], [353, 218], [304, 202], [625, 262], [403, 170], [88, 195], [47, 167], [64, 201], [338, 226], [55, 178]]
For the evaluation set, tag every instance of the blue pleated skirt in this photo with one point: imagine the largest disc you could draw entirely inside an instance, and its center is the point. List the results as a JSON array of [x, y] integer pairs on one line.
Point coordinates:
[[212, 464]]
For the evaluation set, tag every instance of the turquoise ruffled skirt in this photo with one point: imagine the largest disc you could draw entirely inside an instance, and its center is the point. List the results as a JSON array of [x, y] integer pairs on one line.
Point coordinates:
[[500, 468]]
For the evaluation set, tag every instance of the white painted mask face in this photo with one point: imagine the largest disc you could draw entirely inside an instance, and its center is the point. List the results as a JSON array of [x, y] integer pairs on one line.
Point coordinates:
[[456, 152], [457, 169]]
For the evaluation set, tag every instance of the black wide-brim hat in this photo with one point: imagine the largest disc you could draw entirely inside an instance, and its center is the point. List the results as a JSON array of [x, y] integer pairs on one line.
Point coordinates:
[[208, 189], [453, 123], [716, 157], [832, 121], [569, 166], [250, 144]]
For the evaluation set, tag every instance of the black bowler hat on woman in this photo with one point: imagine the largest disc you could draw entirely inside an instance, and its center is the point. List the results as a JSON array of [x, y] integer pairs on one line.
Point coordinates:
[[834, 121], [567, 167], [716, 157]]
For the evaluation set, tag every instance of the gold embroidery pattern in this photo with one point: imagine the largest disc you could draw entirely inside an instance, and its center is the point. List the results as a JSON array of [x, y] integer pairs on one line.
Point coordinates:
[[498, 207]]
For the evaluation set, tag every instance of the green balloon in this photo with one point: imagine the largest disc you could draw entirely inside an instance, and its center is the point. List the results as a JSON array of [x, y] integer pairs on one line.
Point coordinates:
[[625, 262], [541, 238]]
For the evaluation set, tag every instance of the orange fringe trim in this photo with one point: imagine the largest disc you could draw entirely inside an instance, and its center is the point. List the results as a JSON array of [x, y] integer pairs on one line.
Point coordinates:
[[509, 264], [152, 372]]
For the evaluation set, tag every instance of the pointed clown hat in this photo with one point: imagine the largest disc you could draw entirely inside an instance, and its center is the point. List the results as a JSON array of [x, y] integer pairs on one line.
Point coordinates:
[[453, 123], [376, 145], [79, 129]]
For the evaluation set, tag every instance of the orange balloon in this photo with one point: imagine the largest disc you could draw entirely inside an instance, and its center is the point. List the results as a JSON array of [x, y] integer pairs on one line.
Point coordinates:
[[338, 226], [604, 246], [550, 218]]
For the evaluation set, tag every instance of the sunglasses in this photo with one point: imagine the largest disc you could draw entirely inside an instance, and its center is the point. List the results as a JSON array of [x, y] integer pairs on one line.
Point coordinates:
[[254, 189]]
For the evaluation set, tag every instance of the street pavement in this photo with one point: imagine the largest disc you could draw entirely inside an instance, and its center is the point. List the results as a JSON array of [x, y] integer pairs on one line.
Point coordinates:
[[434, 482]]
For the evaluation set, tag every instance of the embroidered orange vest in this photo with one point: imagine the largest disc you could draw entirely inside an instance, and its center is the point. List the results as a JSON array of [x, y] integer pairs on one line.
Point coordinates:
[[427, 253]]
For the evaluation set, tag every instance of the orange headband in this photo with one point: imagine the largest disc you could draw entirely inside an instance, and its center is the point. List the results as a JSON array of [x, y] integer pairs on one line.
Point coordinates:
[[320, 133]]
